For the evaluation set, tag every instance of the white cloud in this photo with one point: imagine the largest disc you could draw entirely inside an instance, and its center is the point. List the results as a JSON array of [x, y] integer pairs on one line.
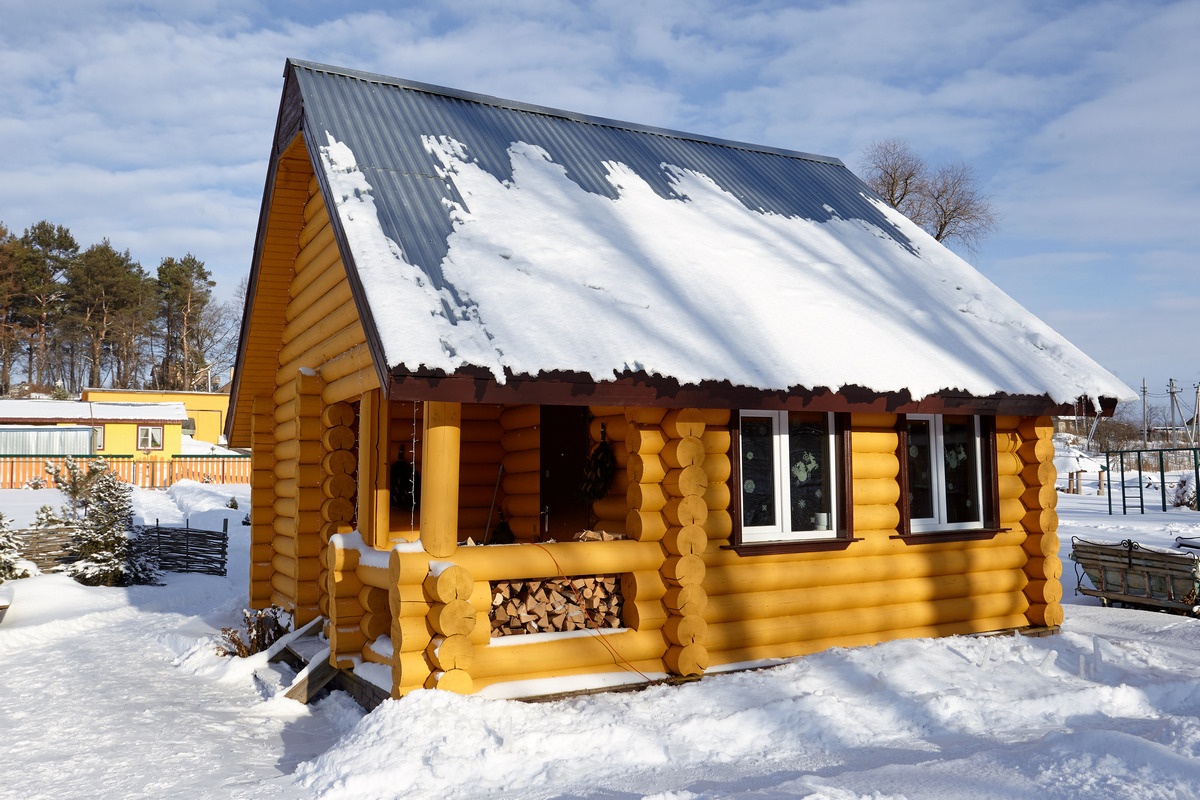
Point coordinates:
[[151, 122]]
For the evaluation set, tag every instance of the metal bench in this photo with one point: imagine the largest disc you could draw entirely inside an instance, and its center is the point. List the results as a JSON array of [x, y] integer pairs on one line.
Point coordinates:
[[1138, 576]]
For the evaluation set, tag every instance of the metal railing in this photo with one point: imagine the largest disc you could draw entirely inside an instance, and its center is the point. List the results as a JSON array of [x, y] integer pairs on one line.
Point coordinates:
[[1141, 462]]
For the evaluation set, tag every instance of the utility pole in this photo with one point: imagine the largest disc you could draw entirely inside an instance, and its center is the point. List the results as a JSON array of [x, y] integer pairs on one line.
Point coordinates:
[[1171, 392], [1145, 419], [1196, 417]]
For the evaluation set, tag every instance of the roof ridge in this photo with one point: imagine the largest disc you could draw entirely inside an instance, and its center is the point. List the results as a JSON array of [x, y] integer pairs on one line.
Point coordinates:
[[574, 116]]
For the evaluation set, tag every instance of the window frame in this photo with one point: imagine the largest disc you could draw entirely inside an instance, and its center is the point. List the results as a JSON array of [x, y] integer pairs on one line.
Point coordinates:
[[987, 491], [97, 438], [150, 429], [778, 539]]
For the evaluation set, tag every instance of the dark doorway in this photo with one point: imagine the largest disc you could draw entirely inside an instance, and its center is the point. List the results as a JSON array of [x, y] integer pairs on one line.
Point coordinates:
[[564, 454]]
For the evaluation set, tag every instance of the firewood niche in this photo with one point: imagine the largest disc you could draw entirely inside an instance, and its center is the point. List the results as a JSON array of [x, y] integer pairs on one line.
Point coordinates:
[[546, 605]]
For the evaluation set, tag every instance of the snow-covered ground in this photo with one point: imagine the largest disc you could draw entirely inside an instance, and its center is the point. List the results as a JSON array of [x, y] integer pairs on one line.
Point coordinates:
[[118, 693]]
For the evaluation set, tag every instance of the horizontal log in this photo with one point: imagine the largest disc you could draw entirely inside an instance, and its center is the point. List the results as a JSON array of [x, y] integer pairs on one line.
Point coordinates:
[[646, 467], [352, 386], [875, 466], [293, 547], [642, 585], [718, 467], [451, 583], [686, 629], [1010, 487], [645, 415], [1046, 615], [690, 599], [1039, 474], [685, 540], [873, 441], [742, 654], [877, 492], [646, 496], [1042, 545], [355, 360], [1007, 441], [876, 518], [687, 661], [551, 657], [1045, 568], [851, 621], [684, 570], [1044, 591], [729, 573], [645, 439], [517, 562], [1040, 497], [375, 625], [691, 480], [1043, 520], [522, 461], [719, 524], [374, 600], [521, 439], [717, 441], [614, 427], [718, 498], [786, 603], [685, 452], [690, 510], [300, 569], [680, 422], [645, 526], [1039, 428], [522, 416], [451, 652]]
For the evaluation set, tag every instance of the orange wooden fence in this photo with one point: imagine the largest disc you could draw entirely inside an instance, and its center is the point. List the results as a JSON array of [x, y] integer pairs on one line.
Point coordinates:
[[17, 472]]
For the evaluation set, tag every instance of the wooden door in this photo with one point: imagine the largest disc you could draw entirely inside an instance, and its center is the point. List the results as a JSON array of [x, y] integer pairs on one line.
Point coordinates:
[[564, 451]]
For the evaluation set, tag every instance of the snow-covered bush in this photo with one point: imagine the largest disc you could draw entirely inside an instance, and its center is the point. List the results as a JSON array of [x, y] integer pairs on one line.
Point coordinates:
[[1185, 492], [10, 553], [106, 549], [263, 629]]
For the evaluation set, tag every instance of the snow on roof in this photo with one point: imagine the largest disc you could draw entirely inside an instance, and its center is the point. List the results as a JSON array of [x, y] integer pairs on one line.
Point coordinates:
[[49, 411], [562, 259]]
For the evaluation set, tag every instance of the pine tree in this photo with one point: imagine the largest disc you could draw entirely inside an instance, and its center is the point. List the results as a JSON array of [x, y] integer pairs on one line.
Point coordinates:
[[106, 548], [10, 553], [76, 482]]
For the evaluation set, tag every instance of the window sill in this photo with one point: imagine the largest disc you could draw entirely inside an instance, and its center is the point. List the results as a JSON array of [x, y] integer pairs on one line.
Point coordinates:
[[779, 548], [930, 537]]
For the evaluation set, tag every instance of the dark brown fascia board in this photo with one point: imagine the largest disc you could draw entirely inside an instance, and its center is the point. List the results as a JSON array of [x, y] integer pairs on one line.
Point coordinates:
[[641, 389]]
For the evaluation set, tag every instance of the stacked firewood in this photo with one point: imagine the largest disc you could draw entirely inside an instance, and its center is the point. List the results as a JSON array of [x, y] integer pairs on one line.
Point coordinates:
[[558, 604]]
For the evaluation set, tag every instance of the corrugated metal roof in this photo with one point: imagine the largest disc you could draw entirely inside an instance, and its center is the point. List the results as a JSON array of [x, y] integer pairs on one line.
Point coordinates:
[[382, 120]]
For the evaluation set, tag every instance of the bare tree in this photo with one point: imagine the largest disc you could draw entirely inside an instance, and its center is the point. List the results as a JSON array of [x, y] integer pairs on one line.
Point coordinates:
[[945, 201]]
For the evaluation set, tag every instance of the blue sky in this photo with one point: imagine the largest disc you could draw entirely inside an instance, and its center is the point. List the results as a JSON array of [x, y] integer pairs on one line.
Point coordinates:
[[150, 123]]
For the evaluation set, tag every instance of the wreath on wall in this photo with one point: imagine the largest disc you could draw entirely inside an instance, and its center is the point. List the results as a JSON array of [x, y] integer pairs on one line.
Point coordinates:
[[599, 470]]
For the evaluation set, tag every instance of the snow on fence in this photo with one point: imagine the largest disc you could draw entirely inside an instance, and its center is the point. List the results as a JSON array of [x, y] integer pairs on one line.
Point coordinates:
[[18, 472], [188, 549]]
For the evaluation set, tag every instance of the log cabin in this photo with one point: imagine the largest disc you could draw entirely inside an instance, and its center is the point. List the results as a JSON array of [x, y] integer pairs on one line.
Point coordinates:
[[545, 402]]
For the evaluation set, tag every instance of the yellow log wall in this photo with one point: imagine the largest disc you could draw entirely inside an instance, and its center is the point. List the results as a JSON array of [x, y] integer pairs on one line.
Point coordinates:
[[882, 587], [690, 602], [1032, 439], [521, 442]]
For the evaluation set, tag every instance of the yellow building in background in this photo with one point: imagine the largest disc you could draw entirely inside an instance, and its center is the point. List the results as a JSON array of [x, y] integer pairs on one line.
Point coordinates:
[[206, 411]]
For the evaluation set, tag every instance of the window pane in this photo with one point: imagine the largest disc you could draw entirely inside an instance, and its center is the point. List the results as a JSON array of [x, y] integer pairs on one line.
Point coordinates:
[[808, 471], [758, 471], [962, 489], [920, 470]]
